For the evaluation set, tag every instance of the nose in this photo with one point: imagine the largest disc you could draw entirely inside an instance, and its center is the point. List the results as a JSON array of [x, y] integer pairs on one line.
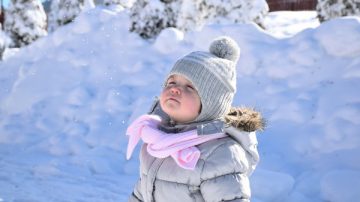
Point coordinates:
[[175, 90]]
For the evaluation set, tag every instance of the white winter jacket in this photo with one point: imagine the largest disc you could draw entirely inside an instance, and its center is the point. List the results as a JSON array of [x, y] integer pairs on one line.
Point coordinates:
[[221, 174]]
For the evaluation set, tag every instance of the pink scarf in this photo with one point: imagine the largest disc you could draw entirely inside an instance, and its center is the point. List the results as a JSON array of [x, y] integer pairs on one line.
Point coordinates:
[[180, 146]]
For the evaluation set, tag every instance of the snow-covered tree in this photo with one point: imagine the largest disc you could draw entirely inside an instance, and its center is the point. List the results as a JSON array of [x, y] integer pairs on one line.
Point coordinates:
[[199, 12], [25, 21], [123, 3], [150, 17], [329, 9], [65, 11], [4, 42], [242, 12], [112, 2]]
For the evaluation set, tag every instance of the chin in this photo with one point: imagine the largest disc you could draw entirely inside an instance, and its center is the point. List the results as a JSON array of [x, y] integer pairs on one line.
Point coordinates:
[[172, 116], [168, 112]]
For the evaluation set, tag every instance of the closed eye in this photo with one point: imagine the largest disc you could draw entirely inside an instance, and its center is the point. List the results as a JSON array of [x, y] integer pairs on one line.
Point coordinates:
[[191, 87], [171, 83]]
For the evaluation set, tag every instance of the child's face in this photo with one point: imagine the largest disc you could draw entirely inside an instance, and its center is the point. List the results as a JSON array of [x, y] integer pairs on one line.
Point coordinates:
[[180, 100]]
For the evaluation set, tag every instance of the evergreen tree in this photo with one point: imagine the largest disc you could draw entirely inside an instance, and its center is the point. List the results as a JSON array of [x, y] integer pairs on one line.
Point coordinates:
[[243, 11], [65, 11], [199, 12], [25, 21], [3, 43], [112, 2], [148, 18], [329, 9], [124, 3]]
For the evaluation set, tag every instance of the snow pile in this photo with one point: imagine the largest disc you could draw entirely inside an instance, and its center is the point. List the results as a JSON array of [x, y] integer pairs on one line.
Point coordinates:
[[66, 100], [286, 23]]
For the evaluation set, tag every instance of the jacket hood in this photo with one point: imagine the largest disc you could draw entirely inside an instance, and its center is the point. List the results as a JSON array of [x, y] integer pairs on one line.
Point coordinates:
[[241, 124]]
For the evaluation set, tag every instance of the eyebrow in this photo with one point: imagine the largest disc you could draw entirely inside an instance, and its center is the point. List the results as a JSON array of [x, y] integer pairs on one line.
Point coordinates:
[[188, 82]]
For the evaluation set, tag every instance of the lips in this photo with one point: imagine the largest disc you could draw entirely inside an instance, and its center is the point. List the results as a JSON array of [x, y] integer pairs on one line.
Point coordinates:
[[173, 99]]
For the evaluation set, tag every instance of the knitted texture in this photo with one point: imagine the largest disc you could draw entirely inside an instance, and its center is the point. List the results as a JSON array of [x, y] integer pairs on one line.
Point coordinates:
[[213, 75]]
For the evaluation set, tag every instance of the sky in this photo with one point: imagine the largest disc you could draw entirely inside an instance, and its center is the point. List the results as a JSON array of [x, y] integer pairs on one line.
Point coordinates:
[[67, 99]]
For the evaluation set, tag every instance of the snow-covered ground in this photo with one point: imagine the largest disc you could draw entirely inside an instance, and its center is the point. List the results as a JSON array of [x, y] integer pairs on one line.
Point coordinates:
[[283, 24], [66, 100]]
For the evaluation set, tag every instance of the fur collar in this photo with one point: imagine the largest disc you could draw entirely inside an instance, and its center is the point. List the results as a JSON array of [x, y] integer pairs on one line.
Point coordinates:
[[245, 119]]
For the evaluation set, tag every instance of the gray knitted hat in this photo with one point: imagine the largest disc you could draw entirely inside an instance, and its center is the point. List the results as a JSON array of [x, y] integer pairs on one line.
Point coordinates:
[[213, 74]]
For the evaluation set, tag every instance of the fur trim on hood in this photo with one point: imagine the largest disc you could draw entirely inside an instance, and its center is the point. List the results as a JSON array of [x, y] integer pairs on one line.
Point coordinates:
[[245, 119]]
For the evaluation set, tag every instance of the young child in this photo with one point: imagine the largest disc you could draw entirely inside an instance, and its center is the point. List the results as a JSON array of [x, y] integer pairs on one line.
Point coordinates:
[[196, 147]]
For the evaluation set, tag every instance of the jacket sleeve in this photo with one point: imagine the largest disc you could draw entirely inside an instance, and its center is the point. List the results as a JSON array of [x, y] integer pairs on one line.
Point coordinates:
[[136, 195], [225, 175]]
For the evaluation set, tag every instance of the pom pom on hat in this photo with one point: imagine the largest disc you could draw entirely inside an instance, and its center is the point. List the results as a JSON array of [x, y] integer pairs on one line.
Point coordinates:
[[225, 47]]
